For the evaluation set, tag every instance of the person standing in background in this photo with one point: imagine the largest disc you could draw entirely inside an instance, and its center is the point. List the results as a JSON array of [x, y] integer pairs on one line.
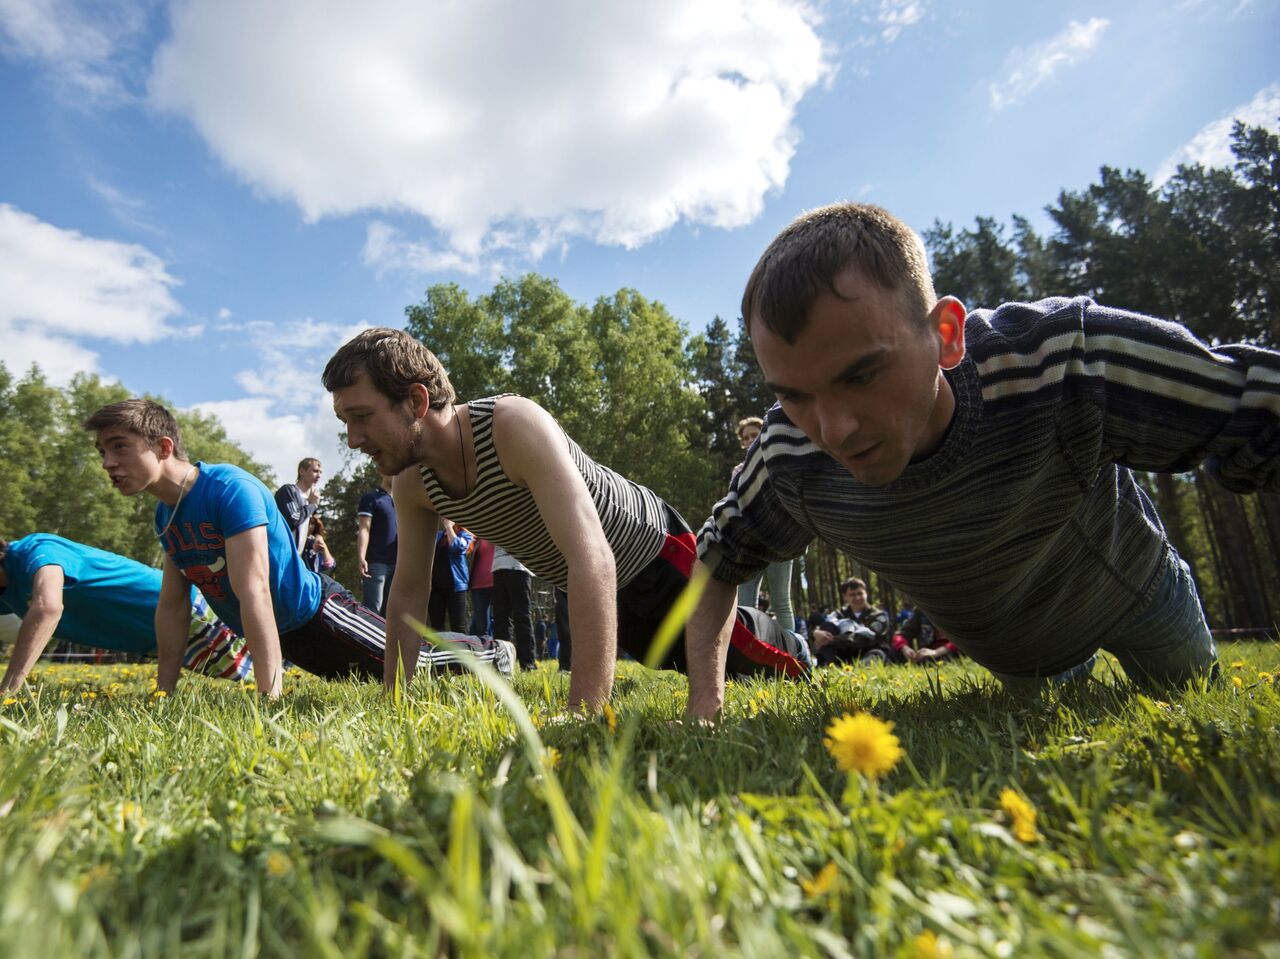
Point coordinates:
[[481, 588], [299, 501], [376, 545], [511, 582]]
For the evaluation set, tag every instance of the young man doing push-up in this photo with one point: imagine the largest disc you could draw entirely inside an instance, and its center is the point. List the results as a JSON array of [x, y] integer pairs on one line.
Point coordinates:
[[504, 469], [221, 530]]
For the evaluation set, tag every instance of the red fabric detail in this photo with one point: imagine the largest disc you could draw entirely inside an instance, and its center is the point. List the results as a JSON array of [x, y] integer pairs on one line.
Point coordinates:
[[680, 551]]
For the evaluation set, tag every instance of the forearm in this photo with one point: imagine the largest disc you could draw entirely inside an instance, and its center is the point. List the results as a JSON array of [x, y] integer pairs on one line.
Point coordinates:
[[173, 623], [362, 544], [593, 620], [263, 639], [34, 634], [403, 641], [706, 645]]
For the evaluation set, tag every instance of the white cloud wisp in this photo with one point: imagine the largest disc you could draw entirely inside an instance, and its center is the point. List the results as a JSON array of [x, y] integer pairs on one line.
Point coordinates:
[[1034, 66], [1211, 147]]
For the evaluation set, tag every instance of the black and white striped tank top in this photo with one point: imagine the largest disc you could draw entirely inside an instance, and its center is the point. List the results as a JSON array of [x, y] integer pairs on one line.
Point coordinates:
[[633, 518]]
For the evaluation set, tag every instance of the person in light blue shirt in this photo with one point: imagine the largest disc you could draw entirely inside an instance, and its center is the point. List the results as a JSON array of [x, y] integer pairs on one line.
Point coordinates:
[[95, 598]]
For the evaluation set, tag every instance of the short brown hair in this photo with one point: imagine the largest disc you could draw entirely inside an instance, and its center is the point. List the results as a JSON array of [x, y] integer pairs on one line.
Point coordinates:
[[305, 462], [147, 418], [804, 260], [748, 421], [394, 361], [852, 583]]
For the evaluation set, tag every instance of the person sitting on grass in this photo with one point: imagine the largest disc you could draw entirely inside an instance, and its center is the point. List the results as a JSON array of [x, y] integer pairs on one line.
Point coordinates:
[[982, 462], [858, 630], [505, 469], [98, 599], [220, 529], [920, 642]]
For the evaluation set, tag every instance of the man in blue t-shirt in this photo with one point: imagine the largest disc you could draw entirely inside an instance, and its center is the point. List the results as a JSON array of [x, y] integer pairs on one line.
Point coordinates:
[[95, 598], [376, 544], [221, 530]]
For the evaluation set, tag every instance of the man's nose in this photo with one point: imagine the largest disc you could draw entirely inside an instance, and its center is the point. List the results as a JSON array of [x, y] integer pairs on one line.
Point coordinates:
[[836, 423]]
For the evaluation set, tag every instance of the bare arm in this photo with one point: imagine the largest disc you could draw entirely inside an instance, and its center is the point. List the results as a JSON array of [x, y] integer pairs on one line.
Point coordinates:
[[534, 454], [38, 625], [416, 524], [249, 568], [706, 639], [173, 623], [363, 525]]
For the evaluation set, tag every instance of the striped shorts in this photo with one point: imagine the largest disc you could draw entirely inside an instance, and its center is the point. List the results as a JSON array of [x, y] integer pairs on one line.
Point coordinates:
[[345, 638], [213, 648]]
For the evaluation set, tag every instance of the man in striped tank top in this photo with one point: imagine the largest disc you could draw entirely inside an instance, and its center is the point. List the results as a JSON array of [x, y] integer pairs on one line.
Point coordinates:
[[981, 462], [503, 468]]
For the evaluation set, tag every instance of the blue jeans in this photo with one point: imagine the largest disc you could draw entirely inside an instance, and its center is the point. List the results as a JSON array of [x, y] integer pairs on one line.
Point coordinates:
[[1164, 643], [778, 576], [375, 587]]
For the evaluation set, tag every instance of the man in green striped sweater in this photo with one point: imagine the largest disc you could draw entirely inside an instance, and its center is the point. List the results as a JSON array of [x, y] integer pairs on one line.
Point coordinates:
[[981, 462]]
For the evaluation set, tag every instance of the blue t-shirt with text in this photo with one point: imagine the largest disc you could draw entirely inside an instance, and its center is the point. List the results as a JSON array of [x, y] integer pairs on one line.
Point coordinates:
[[225, 501], [108, 601]]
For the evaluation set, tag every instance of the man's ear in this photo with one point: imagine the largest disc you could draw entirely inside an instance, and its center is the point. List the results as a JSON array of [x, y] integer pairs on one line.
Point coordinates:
[[419, 400], [947, 319], [164, 447]]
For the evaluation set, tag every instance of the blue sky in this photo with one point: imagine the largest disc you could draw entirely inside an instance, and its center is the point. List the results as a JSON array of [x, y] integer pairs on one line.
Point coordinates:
[[204, 198]]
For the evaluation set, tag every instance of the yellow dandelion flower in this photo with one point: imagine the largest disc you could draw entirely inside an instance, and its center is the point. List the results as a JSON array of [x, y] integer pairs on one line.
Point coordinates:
[[1238, 664], [823, 882], [278, 864], [1237, 682], [862, 743], [9, 700], [1265, 677], [1022, 814], [610, 718], [551, 757], [159, 694], [927, 945]]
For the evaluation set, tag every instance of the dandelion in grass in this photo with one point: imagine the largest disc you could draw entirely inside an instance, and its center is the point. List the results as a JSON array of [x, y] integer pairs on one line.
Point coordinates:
[[1238, 664], [927, 945], [551, 757], [610, 718], [278, 864], [822, 883], [861, 743], [1265, 677], [9, 700], [1021, 813], [1237, 682]]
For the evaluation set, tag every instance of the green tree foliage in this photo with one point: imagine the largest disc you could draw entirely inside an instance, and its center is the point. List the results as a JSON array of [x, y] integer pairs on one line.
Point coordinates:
[[50, 477], [618, 376]]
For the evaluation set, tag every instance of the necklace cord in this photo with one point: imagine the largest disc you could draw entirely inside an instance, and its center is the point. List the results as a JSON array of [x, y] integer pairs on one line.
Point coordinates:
[[462, 452], [182, 491]]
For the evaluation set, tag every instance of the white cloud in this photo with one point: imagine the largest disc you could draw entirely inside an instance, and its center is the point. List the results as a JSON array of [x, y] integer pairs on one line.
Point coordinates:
[[1030, 67], [1211, 147], [896, 15], [81, 44], [285, 414], [59, 286], [610, 122]]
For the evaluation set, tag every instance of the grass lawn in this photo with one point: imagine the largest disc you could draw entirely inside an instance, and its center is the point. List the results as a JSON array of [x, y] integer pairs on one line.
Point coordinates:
[[341, 823]]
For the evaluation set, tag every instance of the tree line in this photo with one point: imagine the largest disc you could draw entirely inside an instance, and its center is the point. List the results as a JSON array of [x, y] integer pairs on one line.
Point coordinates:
[[659, 404]]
